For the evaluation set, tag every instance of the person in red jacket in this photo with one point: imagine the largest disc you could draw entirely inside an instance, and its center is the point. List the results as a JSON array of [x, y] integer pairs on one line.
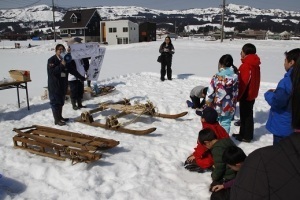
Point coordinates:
[[201, 159], [249, 81]]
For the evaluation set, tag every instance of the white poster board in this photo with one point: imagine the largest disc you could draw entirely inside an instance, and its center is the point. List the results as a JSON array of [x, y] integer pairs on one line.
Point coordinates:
[[93, 51]]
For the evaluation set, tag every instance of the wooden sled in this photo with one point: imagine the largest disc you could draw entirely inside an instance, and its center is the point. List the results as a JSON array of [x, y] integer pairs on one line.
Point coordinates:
[[102, 90], [61, 144], [125, 108]]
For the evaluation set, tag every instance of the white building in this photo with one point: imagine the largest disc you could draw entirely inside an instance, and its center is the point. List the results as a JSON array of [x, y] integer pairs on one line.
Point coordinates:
[[119, 32]]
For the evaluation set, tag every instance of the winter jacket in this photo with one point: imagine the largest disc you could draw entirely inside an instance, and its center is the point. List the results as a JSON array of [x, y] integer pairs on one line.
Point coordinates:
[[76, 70], [280, 117], [166, 56], [249, 77], [202, 155], [270, 173], [222, 91], [57, 77], [197, 91], [221, 171]]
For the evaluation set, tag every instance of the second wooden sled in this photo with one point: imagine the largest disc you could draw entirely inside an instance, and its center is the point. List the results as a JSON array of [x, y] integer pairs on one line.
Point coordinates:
[[125, 108], [61, 144]]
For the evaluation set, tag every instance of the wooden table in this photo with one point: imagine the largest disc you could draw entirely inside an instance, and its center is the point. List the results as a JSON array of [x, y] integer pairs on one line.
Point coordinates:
[[17, 84]]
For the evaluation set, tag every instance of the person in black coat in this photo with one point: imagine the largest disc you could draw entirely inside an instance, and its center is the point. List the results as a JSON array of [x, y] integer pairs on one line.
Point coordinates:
[[167, 50], [273, 172], [57, 84]]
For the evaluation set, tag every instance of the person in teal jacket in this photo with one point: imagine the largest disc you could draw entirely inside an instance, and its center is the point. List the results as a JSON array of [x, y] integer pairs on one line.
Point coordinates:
[[280, 117], [223, 91]]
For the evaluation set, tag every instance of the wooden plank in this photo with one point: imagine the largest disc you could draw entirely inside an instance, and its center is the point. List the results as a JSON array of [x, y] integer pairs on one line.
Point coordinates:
[[112, 143], [120, 129], [81, 153], [41, 153], [81, 141], [68, 143]]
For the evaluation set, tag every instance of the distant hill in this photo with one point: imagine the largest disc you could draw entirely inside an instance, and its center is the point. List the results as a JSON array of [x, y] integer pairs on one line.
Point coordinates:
[[238, 16]]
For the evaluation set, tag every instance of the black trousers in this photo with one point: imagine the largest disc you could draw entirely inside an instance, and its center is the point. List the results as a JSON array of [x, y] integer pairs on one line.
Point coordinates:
[[223, 194], [246, 117], [196, 102], [166, 63], [77, 89]]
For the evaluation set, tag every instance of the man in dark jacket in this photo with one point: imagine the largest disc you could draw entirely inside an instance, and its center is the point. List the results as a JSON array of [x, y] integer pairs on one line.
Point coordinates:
[[57, 84], [273, 173], [270, 173]]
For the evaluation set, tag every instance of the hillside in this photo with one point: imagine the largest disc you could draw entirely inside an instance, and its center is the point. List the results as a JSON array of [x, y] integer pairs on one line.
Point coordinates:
[[239, 16]]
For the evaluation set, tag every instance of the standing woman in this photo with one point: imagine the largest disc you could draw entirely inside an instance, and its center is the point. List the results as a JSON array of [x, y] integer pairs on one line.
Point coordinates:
[[57, 84], [167, 50]]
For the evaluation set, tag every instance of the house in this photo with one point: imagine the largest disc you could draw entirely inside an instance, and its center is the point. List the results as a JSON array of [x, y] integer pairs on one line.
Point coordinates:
[[252, 34], [119, 32], [285, 35], [84, 24], [147, 32], [272, 36]]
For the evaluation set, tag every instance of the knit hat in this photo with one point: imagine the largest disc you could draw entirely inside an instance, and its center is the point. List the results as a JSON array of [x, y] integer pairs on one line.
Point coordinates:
[[210, 115]]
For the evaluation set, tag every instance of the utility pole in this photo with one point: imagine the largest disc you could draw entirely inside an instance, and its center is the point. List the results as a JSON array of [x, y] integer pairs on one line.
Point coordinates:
[[53, 11], [223, 13]]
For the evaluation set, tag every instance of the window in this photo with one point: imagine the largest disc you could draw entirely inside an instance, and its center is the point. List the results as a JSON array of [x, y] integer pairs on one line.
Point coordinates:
[[80, 31], [119, 40], [64, 32], [112, 30], [74, 19], [125, 29], [125, 40], [73, 31]]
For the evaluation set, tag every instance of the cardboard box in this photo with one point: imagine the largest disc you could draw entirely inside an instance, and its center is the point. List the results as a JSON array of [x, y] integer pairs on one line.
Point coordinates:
[[20, 75]]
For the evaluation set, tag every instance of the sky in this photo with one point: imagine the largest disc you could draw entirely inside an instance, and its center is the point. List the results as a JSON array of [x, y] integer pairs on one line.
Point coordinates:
[[156, 4]]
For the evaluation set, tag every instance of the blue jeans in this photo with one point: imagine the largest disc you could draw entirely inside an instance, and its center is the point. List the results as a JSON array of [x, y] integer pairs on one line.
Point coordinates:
[[225, 122]]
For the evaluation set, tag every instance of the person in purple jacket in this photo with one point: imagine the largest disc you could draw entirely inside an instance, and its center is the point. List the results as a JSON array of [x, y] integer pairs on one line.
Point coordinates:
[[234, 157], [280, 117]]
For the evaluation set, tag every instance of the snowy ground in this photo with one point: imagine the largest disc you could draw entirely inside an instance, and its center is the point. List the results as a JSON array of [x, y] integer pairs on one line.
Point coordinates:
[[141, 167]]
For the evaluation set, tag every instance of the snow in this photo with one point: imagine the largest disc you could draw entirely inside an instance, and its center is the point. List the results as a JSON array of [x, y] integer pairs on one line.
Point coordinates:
[[44, 12], [140, 167]]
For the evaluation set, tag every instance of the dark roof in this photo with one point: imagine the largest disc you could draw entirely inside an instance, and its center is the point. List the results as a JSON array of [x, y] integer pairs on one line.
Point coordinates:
[[83, 17]]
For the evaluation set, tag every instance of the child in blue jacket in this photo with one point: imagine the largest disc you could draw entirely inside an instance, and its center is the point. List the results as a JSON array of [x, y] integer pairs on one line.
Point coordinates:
[[280, 117]]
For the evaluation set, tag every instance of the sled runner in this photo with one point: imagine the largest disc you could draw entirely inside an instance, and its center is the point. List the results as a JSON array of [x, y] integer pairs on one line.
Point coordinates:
[[125, 108], [61, 144]]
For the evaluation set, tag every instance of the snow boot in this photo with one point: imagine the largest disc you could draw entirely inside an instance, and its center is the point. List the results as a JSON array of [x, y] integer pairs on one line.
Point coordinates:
[[60, 115], [190, 104], [74, 106], [79, 104], [57, 120]]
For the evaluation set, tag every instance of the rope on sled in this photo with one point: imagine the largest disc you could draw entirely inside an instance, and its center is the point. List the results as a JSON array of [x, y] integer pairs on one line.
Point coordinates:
[[147, 108]]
